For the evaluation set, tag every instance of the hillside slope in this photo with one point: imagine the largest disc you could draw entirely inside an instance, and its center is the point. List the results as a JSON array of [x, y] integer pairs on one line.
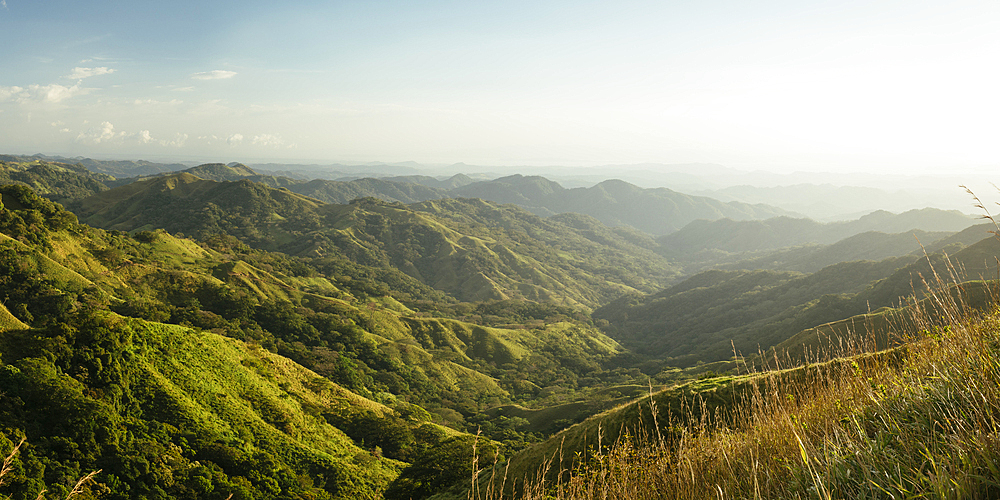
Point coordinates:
[[358, 336], [470, 249], [697, 319]]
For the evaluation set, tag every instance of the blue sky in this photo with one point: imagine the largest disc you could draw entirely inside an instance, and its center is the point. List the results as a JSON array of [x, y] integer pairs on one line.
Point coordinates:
[[792, 85]]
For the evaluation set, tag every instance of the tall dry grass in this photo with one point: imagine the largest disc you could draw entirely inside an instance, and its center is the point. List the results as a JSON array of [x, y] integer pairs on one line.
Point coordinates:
[[919, 421], [8, 466]]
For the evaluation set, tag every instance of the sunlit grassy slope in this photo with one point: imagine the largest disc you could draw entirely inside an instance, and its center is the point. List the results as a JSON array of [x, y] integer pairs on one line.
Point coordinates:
[[915, 421]]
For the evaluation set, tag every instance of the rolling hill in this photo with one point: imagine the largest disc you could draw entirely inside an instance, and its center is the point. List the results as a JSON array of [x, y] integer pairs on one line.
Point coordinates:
[[470, 249], [705, 316]]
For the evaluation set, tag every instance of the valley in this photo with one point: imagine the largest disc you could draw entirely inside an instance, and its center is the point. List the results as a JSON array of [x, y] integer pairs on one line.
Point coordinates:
[[217, 331]]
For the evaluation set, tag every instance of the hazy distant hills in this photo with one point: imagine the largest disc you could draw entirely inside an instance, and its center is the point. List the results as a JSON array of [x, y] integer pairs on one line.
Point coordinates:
[[871, 245], [718, 233], [820, 201], [755, 235], [614, 202], [455, 181], [115, 168]]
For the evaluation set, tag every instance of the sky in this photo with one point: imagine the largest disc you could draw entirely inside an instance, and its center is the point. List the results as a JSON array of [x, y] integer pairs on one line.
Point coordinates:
[[784, 86]]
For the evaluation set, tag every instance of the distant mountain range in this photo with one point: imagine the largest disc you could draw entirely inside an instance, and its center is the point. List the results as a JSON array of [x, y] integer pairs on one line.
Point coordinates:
[[472, 249], [613, 202]]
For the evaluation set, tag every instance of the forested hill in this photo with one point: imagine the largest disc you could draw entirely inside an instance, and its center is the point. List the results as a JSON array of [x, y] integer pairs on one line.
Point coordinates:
[[704, 317], [108, 168], [213, 332], [56, 181], [470, 249], [155, 359]]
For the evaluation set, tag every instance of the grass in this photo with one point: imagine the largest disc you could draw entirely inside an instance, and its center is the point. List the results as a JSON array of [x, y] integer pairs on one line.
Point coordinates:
[[79, 488], [10, 322], [921, 420]]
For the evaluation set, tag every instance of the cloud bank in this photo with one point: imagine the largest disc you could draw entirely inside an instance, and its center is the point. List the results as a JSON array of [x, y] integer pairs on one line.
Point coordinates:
[[40, 93]]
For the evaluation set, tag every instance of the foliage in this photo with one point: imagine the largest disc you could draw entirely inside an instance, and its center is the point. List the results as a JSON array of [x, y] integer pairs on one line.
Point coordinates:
[[179, 366], [919, 421], [56, 181], [468, 249], [445, 464]]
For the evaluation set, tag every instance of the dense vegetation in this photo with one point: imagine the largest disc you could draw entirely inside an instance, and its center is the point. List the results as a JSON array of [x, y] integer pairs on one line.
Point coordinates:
[[217, 332], [916, 421], [470, 249]]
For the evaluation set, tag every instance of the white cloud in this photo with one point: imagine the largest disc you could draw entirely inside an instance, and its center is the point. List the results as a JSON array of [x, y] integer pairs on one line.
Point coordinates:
[[184, 89], [218, 74], [106, 133], [177, 142], [3, 3], [41, 93], [64, 130], [143, 136], [103, 133], [81, 73], [268, 140], [9, 92], [55, 92], [235, 139]]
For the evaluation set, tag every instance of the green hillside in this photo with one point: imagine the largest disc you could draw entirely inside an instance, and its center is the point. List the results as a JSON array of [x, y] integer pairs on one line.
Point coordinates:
[[866, 425], [170, 411], [705, 316], [469, 249], [222, 171], [9, 322], [162, 410], [198, 338], [208, 389], [388, 190], [55, 181], [60, 273]]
